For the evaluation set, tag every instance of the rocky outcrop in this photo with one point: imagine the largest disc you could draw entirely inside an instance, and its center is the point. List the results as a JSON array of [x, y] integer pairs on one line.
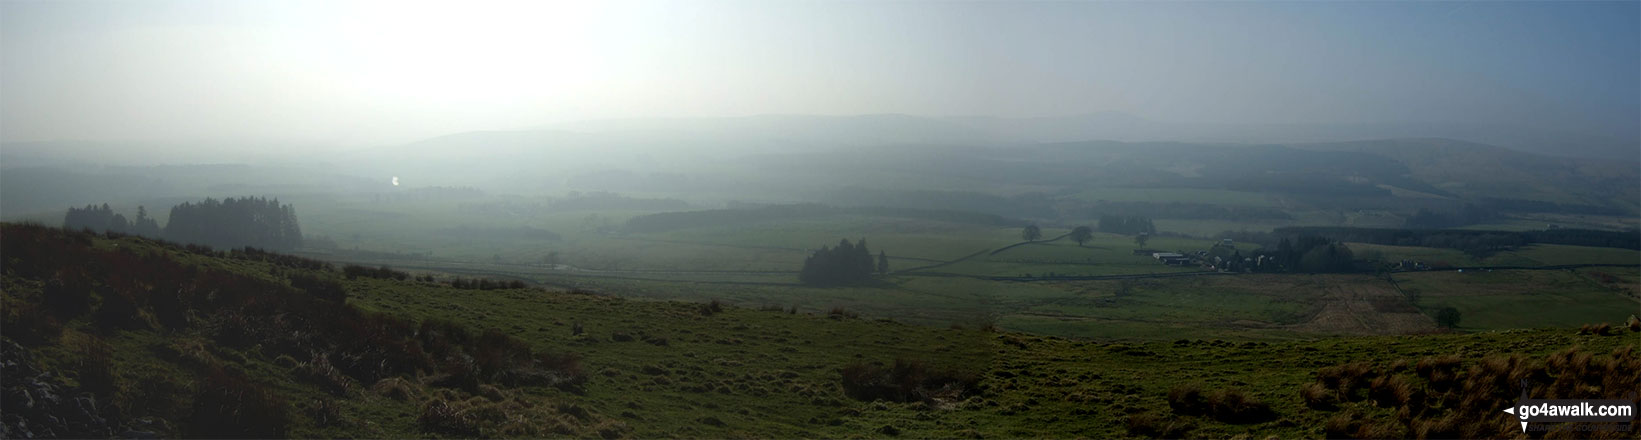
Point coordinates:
[[37, 405]]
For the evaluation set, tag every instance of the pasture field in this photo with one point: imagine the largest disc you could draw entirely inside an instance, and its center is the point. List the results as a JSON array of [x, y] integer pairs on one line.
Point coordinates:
[[1506, 299], [1105, 254], [754, 265], [773, 373]]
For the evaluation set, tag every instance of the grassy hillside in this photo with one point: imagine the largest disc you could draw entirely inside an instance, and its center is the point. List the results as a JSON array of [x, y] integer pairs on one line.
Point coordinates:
[[178, 342]]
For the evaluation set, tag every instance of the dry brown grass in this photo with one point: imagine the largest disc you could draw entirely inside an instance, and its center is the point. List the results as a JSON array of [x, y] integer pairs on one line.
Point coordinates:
[[1317, 396], [1152, 426], [1442, 400]]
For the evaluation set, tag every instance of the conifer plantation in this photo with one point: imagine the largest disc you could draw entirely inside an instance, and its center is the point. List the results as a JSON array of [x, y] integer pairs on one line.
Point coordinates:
[[229, 223]]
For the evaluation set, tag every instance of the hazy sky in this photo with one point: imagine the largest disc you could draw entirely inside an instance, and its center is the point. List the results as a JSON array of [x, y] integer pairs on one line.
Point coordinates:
[[366, 72]]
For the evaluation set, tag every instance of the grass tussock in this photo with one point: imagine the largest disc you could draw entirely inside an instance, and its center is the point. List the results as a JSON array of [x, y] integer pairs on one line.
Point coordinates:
[[1317, 396], [1227, 405], [1602, 329], [1445, 399], [711, 308], [842, 313], [1150, 425]]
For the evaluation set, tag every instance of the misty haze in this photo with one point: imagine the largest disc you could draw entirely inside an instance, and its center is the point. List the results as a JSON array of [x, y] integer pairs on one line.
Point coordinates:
[[817, 219]]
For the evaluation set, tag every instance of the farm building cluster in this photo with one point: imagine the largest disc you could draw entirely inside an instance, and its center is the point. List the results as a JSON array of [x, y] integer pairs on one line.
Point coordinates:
[[1223, 256]]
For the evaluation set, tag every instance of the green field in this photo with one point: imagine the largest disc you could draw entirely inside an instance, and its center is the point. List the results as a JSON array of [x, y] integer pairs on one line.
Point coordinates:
[[1491, 300], [940, 268]]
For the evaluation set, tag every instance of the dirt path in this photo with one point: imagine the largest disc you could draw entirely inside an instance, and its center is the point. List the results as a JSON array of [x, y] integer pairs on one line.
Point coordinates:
[[1370, 309]]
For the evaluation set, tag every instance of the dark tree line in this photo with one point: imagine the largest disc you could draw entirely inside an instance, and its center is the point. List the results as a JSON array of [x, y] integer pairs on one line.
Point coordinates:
[[1280, 252], [1126, 225], [236, 222], [1314, 254], [230, 223], [382, 273], [1475, 242], [846, 264], [104, 219]]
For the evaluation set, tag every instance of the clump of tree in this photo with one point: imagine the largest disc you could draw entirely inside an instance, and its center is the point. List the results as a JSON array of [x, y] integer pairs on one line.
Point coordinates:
[[1448, 317], [236, 222], [1126, 225], [1031, 233], [104, 219], [846, 264], [1082, 234]]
